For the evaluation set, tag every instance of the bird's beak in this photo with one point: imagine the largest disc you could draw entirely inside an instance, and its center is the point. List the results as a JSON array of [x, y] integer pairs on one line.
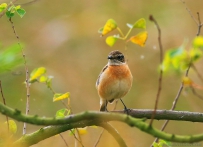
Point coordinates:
[[110, 57]]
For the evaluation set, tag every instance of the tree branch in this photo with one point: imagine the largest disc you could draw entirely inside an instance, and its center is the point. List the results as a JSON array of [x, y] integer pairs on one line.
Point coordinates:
[[161, 70], [114, 133], [46, 132], [96, 117], [138, 113], [166, 115]]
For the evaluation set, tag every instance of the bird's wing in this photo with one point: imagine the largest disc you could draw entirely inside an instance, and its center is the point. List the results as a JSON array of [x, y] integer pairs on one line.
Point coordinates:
[[98, 79]]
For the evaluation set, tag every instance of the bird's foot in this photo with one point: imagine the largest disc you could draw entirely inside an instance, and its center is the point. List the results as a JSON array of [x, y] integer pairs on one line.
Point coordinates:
[[126, 110]]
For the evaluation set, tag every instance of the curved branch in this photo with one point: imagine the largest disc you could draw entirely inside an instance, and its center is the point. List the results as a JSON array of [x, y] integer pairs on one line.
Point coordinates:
[[114, 133], [46, 132], [101, 117]]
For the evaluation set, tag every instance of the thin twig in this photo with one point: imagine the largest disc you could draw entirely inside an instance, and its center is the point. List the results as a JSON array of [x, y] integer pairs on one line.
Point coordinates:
[[196, 94], [96, 143], [52, 90], [172, 108], [76, 138], [4, 101], [28, 3], [199, 24], [189, 11], [198, 21], [63, 139], [26, 71], [161, 70]]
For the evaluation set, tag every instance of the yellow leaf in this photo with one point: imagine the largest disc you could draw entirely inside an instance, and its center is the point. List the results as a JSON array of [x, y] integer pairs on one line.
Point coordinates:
[[60, 96], [95, 127], [17, 7], [139, 39], [43, 79], [3, 5], [109, 26], [82, 131], [187, 81], [198, 42], [111, 40], [36, 73], [12, 126]]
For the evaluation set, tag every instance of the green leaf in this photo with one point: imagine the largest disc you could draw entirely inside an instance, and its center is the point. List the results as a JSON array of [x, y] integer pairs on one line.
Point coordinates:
[[10, 58], [155, 144], [49, 81], [198, 42], [21, 12], [9, 14], [141, 23], [62, 113], [72, 132], [176, 59], [111, 40], [163, 142], [60, 96], [100, 30], [195, 54]]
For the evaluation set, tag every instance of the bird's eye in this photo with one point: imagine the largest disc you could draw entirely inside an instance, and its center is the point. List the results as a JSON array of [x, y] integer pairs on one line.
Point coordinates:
[[120, 57]]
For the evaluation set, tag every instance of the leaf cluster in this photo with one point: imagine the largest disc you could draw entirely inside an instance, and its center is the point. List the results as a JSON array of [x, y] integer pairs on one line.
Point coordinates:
[[178, 59], [11, 10], [138, 39]]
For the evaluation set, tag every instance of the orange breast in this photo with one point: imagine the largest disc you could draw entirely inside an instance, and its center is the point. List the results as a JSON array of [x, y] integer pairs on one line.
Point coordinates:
[[115, 82]]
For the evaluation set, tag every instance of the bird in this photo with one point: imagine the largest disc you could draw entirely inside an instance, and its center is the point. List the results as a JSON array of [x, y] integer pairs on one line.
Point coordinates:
[[114, 81]]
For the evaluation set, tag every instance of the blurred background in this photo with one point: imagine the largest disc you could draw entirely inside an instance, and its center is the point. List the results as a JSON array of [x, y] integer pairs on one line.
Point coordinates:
[[62, 36]]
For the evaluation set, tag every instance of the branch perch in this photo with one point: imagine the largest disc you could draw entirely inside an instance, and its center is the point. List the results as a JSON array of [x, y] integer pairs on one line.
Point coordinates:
[[96, 117]]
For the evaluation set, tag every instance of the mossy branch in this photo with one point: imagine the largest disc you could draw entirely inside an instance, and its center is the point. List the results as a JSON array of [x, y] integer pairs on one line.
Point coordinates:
[[81, 118], [46, 132]]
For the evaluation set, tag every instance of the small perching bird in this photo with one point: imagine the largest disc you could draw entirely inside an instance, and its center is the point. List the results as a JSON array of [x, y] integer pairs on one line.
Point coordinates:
[[114, 81]]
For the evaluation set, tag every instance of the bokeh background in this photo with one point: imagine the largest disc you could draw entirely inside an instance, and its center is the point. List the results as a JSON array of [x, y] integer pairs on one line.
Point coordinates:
[[62, 36]]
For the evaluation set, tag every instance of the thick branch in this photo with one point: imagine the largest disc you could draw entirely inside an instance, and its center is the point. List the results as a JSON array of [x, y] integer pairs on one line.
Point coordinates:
[[138, 113], [46, 132], [104, 117], [166, 115]]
